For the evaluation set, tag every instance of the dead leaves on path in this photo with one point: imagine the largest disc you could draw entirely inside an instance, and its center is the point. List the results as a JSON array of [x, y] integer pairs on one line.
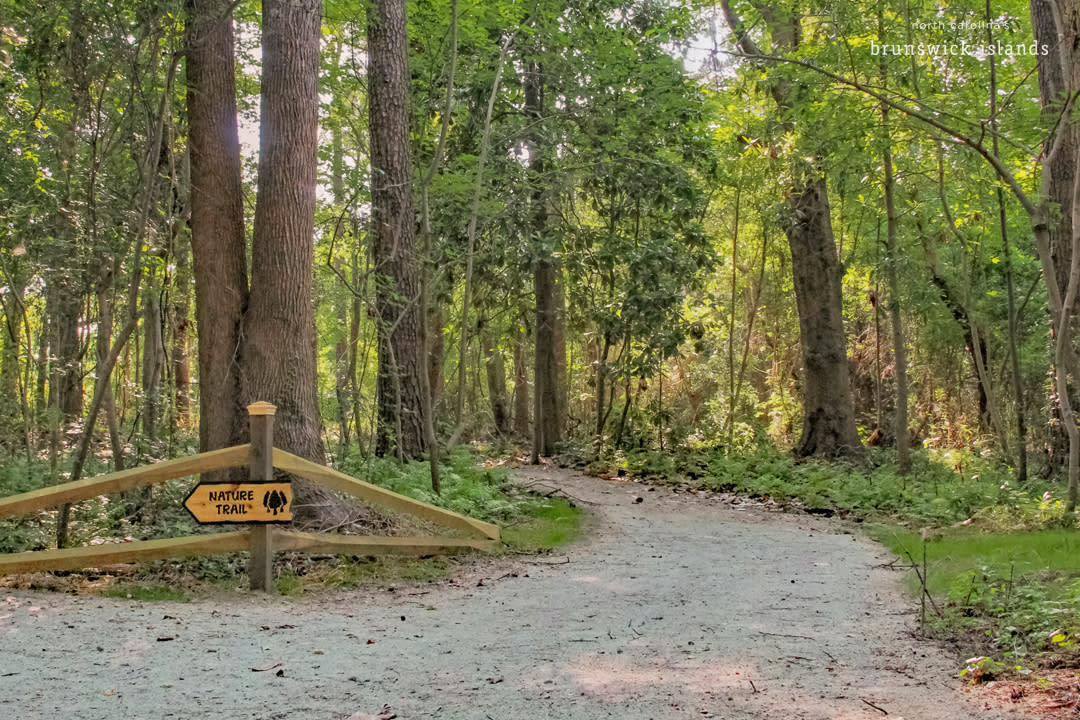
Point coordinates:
[[1053, 695]]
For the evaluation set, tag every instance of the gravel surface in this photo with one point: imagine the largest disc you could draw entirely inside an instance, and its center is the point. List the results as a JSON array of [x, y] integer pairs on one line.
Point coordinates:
[[677, 606]]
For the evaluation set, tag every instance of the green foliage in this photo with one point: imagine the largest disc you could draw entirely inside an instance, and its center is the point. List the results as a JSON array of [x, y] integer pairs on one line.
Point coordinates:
[[935, 494], [1009, 596], [550, 525], [467, 488]]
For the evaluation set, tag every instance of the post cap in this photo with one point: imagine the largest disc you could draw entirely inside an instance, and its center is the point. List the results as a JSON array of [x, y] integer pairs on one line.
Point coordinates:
[[261, 408]]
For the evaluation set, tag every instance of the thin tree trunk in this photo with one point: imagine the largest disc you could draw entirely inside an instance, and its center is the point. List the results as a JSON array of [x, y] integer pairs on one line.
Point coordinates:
[[628, 399], [1014, 355], [752, 312], [474, 214], [179, 313], [496, 382], [732, 397], [892, 261], [11, 397], [521, 385], [153, 364], [401, 368], [104, 347]]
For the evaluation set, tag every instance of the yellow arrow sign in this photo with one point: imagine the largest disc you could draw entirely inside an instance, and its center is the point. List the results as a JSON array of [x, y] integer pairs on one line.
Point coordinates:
[[240, 502]]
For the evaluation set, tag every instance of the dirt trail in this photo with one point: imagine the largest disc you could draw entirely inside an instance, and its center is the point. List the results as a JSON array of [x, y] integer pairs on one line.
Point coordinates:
[[675, 607]]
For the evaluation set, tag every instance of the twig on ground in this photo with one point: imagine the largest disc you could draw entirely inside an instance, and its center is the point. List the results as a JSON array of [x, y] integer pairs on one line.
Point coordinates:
[[882, 710], [800, 637]]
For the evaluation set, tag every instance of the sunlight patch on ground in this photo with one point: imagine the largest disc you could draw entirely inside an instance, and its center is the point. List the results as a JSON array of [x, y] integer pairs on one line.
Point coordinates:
[[623, 677]]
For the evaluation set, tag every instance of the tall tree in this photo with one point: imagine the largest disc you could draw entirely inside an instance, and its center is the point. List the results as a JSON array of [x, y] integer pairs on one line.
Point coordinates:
[[547, 410], [828, 412], [402, 367], [278, 353], [217, 219]]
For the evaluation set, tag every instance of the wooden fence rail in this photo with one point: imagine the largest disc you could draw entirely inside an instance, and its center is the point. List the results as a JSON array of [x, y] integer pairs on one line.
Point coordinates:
[[261, 540], [129, 479]]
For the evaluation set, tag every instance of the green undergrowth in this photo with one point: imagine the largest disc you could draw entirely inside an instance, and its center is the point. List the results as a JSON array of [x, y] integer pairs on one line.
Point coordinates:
[[940, 490], [1008, 599], [1002, 561], [467, 487], [530, 523]]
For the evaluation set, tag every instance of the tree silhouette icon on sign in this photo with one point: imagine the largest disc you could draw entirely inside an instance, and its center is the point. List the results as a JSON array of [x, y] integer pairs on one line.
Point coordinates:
[[275, 501]]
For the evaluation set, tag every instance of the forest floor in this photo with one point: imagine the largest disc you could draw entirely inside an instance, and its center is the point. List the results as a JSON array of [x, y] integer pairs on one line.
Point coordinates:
[[675, 605]]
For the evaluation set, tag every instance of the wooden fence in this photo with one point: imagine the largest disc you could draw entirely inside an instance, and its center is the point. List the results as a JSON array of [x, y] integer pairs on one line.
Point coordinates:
[[262, 540]]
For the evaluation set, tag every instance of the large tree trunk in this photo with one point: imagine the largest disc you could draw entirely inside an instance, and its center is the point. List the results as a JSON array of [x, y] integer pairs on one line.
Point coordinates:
[[1057, 229], [278, 355], [217, 222], [828, 412], [1059, 75], [401, 364]]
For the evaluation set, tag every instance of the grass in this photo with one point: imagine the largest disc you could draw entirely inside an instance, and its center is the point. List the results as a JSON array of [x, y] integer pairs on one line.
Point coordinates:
[[961, 554], [550, 525]]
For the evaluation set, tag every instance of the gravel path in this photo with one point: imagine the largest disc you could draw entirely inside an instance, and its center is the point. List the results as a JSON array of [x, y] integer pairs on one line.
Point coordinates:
[[675, 607]]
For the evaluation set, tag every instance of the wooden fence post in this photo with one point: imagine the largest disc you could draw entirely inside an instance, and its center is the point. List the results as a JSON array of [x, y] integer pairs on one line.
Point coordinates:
[[261, 422]]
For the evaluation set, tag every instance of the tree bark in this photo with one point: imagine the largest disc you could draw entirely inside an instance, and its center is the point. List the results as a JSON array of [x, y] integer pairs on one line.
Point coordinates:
[[892, 261], [401, 364], [1015, 376], [217, 224], [1055, 25], [153, 364], [521, 386], [67, 353], [547, 413], [278, 354], [1056, 223], [828, 410], [179, 312], [495, 369]]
